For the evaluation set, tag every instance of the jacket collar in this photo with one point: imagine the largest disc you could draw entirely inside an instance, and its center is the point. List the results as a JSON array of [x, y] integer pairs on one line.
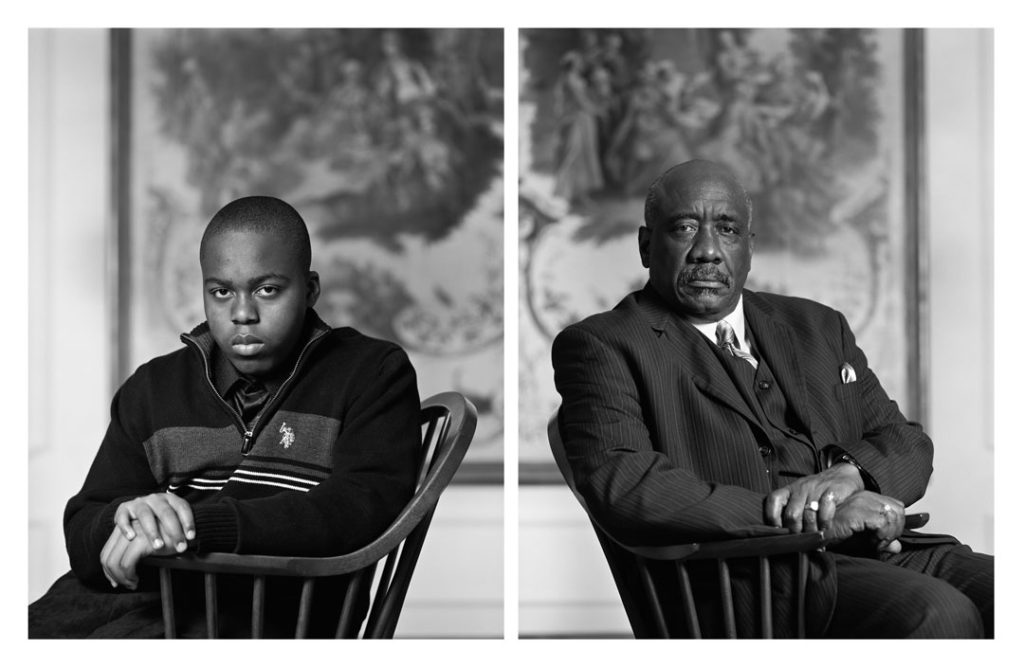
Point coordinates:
[[202, 340], [775, 342]]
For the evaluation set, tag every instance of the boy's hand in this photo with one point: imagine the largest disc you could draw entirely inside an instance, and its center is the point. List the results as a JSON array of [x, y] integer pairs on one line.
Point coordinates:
[[163, 518], [121, 555]]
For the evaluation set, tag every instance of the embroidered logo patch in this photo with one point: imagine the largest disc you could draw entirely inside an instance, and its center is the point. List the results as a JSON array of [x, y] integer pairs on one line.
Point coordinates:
[[287, 435]]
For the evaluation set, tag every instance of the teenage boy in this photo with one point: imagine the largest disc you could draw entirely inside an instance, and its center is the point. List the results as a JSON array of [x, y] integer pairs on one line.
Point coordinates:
[[269, 432]]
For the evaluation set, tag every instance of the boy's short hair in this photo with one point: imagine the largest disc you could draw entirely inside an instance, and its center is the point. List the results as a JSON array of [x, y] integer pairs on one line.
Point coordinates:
[[262, 214]]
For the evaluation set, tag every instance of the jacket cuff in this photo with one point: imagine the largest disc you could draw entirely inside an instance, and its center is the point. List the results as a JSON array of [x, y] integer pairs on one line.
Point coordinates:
[[833, 454], [216, 528]]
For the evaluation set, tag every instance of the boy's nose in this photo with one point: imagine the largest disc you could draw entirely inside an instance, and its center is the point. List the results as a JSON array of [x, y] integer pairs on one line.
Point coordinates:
[[244, 310]]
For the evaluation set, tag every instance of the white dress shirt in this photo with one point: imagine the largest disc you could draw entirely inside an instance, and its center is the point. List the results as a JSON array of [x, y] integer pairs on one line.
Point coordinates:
[[735, 320]]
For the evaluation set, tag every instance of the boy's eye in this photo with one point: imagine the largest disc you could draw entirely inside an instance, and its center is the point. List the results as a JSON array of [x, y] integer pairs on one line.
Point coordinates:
[[220, 293], [268, 290]]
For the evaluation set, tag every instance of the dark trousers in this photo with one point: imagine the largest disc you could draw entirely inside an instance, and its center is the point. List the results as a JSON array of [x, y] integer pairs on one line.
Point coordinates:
[[72, 610], [941, 591]]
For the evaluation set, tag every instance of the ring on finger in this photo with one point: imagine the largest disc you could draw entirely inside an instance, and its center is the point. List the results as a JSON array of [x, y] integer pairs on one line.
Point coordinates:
[[811, 506]]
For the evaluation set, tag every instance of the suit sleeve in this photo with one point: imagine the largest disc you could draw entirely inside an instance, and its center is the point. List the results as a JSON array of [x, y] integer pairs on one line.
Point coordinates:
[[895, 452], [373, 477], [634, 492]]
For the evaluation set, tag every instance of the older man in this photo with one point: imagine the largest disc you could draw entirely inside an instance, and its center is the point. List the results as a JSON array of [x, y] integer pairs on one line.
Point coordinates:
[[696, 409]]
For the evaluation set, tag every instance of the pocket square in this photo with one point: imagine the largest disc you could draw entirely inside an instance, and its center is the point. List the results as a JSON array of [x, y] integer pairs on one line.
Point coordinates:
[[848, 374]]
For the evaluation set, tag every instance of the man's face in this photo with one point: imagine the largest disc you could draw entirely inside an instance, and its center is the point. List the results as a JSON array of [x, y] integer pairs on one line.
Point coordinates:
[[698, 249], [255, 293]]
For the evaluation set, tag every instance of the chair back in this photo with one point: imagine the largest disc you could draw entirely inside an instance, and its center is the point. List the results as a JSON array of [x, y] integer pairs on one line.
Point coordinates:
[[448, 422], [657, 584]]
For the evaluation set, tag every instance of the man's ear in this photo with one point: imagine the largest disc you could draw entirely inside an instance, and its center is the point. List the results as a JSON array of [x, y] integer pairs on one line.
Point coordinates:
[[644, 242], [312, 289]]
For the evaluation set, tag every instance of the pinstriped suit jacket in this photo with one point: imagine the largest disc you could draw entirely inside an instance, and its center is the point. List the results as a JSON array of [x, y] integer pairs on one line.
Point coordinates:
[[662, 445]]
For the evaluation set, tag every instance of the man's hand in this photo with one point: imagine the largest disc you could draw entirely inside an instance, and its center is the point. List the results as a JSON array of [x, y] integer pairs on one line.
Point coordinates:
[[808, 504], [164, 519], [880, 518], [120, 555]]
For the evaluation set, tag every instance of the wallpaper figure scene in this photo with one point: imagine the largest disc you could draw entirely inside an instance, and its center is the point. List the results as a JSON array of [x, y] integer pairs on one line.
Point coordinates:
[[811, 121], [390, 145]]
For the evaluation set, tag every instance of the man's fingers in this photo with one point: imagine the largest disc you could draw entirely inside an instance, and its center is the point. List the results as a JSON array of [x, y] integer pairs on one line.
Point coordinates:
[[810, 516], [893, 547], [826, 510], [793, 515], [773, 505]]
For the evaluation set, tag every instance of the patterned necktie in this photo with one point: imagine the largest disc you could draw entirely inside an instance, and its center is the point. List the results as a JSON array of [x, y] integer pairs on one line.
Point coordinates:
[[727, 341]]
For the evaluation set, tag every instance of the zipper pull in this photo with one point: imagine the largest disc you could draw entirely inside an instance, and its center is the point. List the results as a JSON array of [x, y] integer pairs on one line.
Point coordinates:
[[245, 442]]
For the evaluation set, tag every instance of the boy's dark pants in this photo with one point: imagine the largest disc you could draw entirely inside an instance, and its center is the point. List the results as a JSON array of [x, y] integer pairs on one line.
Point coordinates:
[[72, 610]]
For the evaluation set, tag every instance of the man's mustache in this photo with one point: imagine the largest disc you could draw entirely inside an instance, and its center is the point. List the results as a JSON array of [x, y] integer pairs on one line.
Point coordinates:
[[707, 273]]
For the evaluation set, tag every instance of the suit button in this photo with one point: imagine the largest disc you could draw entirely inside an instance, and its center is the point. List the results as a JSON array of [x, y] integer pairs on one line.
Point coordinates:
[[764, 384], [765, 450]]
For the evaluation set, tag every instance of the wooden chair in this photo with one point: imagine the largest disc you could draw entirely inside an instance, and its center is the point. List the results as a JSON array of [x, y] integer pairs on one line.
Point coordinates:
[[449, 421], [659, 611]]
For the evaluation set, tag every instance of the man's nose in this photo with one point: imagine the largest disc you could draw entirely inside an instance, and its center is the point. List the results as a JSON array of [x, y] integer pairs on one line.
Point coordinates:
[[705, 246], [243, 310]]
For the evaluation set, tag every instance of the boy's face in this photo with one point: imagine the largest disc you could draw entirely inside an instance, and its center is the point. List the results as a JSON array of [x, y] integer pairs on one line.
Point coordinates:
[[255, 293]]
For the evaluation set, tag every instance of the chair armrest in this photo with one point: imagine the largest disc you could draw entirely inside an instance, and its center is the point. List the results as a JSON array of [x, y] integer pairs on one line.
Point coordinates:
[[771, 545], [915, 521]]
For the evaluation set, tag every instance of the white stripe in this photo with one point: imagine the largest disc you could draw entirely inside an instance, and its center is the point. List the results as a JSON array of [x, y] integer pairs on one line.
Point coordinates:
[[174, 487], [253, 481], [270, 474]]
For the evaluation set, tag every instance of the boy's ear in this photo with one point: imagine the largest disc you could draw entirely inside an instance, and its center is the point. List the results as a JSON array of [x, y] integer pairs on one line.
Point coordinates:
[[312, 289]]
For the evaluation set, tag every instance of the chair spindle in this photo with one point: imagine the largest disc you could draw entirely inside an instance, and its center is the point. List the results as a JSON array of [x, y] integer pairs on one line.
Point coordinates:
[[212, 617], [725, 585]]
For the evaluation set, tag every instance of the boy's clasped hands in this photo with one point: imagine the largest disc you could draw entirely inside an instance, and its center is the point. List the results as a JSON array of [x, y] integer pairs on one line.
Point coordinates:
[[159, 524]]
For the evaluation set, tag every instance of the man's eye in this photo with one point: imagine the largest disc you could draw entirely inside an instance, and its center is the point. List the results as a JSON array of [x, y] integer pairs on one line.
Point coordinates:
[[220, 293], [268, 290], [684, 228]]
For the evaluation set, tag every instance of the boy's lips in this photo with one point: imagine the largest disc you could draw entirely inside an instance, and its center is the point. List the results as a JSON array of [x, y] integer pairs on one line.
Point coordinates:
[[246, 345]]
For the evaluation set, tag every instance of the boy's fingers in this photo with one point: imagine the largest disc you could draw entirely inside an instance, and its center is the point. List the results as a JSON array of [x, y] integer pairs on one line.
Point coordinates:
[[123, 520], [170, 525], [147, 522], [184, 511]]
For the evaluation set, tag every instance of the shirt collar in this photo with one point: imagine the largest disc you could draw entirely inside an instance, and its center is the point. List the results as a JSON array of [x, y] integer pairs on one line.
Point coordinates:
[[735, 320], [226, 376]]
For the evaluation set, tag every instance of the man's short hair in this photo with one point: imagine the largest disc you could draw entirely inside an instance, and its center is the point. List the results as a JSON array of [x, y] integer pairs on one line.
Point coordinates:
[[263, 215], [651, 202]]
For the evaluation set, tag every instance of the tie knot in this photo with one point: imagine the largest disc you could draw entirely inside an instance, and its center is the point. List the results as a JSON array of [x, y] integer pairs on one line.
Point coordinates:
[[726, 336]]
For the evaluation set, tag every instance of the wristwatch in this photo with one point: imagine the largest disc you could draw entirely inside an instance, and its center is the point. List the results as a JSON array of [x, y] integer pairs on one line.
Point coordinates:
[[835, 455]]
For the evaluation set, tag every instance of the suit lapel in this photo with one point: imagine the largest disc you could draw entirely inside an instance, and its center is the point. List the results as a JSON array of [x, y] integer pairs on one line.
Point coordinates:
[[688, 347], [778, 346]]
